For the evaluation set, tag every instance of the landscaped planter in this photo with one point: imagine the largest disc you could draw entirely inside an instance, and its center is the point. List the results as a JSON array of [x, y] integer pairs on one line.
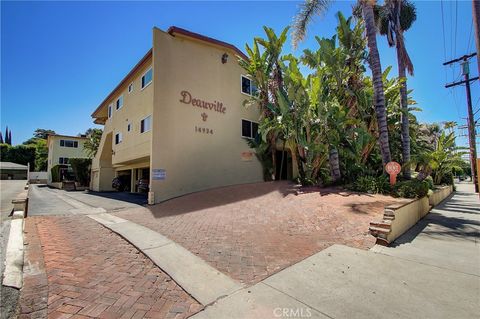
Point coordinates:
[[397, 219], [55, 185], [440, 194]]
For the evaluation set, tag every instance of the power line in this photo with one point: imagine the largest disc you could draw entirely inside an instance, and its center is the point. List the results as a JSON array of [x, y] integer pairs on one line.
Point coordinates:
[[456, 20], [464, 60], [451, 30], [444, 42], [470, 36]]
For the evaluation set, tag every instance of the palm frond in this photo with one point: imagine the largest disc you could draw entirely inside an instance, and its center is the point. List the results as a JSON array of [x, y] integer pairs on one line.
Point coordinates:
[[307, 10]]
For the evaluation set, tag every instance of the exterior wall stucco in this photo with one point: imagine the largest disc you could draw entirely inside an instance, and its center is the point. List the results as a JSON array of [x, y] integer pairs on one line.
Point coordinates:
[[194, 160], [134, 150], [137, 105]]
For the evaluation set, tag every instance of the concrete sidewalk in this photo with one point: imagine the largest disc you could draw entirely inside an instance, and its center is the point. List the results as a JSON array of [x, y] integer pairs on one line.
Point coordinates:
[[430, 272], [448, 237]]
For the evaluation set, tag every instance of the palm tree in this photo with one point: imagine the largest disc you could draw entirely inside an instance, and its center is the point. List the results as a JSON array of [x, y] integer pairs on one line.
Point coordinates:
[[307, 11], [91, 145], [265, 70], [444, 158], [396, 17]]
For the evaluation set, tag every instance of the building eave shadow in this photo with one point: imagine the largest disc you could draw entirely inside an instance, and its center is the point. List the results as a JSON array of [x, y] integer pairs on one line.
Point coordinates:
[[220, 197], [133, 198]]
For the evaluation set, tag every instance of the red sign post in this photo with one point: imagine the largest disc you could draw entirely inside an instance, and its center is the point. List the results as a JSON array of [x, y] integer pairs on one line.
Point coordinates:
[[393, 168]]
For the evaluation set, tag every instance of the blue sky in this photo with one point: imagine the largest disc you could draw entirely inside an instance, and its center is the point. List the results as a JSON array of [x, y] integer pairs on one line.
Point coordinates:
[[60, 59]]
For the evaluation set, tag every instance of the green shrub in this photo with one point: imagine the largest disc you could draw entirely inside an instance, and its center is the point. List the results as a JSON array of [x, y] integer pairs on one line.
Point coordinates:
[[372, 185], [20, 154], [447, 179], [429, 180], [55, 171], [411, 189], [81, 169]]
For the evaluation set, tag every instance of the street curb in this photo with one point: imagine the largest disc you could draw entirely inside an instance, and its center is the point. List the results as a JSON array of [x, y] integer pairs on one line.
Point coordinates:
[[13, 274], [196, 277]]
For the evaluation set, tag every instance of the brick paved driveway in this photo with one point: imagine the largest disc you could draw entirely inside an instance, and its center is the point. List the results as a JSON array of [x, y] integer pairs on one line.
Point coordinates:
[[252, 231], [92, 272]]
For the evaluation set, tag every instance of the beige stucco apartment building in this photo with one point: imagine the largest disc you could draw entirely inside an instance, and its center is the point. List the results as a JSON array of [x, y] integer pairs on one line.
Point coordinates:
[[178, 120], [63, 147]]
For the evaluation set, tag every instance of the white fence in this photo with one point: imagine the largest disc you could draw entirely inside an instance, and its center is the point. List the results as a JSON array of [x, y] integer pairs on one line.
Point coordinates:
[[38, 177]]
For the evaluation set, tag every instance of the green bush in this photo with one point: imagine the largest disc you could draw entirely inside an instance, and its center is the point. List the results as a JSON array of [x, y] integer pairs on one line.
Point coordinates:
[[429, 180], [372, 185], [20, 154], [55, 170], [81, 169], [411, 189], [447, 179]]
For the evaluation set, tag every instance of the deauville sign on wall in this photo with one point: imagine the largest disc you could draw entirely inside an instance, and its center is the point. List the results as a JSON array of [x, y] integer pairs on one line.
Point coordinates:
[[212, 106]]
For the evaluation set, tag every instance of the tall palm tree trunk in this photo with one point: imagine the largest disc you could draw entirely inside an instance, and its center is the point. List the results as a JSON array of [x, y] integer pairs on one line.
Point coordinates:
[[273, 147], [334, 164], [376, 67], [405, 123]]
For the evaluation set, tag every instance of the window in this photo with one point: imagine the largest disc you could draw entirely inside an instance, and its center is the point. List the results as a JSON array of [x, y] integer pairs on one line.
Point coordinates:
[[69, 143], [110, 111], [118, 138], [119, 102], [147, 78], [129, 126], [130, 88], [63, 160], [249, 129], [146, 124], [248, 87]]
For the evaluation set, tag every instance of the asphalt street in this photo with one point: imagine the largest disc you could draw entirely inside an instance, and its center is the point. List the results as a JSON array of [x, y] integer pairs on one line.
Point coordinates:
[[9, 189], [49, 201]]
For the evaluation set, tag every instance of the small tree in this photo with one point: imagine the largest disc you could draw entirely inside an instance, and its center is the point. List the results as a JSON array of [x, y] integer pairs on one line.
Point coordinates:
[[94, 137], [81, 169], [55, 171], [41, 155], [445, 158]]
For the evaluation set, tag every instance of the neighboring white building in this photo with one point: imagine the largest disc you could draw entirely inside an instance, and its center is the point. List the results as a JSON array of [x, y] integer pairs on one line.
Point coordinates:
[[61, 148]]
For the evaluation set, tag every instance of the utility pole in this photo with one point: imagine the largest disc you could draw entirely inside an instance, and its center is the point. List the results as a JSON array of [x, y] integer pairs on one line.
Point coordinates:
[[471, 122], [476, 23]]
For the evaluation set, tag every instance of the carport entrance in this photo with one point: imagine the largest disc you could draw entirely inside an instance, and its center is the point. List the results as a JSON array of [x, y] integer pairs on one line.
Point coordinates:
[[126, 179], [142, 179]]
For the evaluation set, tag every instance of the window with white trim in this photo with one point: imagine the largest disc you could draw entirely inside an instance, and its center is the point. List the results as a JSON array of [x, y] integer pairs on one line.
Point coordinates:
[[69, 143], [248, 87], [249, 129], [110, 111], [119, 102], [147, 78], [146, 124], [130, 88], [118, 138], [63, 160]]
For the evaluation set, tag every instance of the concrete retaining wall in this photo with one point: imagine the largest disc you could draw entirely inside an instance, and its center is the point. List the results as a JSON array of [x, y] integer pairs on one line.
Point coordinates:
[[440, 194], [56, 185], [397, 219], [406, 216]]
